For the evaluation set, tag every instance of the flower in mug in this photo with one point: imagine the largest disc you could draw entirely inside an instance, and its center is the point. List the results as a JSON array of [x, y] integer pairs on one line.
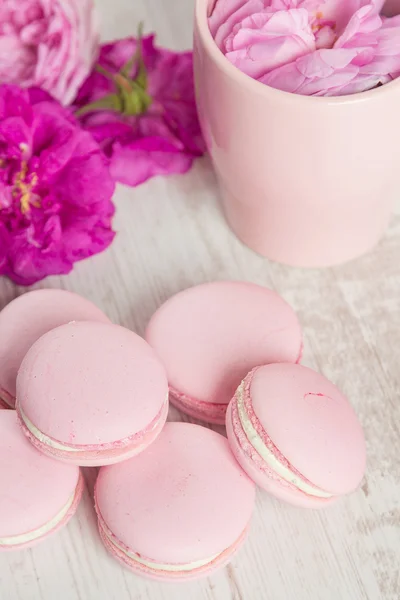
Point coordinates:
[[55, 188], [52, 44], [313, 47], [139, 105], [365, 56]]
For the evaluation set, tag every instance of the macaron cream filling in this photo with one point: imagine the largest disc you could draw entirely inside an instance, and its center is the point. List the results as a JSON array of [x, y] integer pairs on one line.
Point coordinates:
[[198, 564], [267, 455], [48, 441], [30, 536]]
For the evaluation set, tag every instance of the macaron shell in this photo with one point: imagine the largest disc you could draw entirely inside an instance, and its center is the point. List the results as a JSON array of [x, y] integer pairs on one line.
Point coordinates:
[[210, 336], [98, 456], [166, 576], [30, 316], [259, 477], [37, 487], [183, 499], [312, 424], [91, 384], [205, 411]]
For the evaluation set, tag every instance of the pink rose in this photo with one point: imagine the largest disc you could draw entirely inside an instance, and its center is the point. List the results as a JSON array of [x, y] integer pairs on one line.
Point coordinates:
[[258, 36], [48, 43], [312, 47], [367, 54], [228, 13]]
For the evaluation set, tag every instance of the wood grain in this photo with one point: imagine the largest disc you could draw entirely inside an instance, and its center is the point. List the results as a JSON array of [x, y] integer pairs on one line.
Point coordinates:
[[171, 234]]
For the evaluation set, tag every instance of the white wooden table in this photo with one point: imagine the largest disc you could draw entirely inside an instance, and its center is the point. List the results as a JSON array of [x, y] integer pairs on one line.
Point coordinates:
[[171, 235]]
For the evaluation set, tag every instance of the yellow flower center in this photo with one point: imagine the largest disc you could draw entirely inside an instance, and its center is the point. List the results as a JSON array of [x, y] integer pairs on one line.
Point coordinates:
[[23, 189]]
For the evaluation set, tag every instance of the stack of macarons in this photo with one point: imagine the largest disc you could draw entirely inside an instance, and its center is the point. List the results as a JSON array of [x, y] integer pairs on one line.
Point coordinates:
[[173, 500]]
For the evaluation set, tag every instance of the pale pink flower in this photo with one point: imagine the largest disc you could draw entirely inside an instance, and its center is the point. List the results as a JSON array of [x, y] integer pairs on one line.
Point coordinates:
[[366, 55], [312, 47], [228, 13], [48, 43]]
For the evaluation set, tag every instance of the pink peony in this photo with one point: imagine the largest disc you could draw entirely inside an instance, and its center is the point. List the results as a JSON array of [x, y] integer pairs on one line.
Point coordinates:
[[48, 43], [55, 188], [139, 105], [311, 47]]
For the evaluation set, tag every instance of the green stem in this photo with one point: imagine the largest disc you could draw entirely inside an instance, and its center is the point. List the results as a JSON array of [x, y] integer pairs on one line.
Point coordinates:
[[111, 102]]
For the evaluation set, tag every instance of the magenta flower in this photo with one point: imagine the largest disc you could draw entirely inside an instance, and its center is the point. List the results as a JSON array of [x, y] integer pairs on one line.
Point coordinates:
[[311, 47], [55, 188], [52, 44], [139, 105]]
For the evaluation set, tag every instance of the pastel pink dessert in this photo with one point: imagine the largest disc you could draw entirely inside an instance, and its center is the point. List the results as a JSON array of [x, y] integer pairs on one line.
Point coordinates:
[[26, 319], [296, 435], [38, 495], [210, 336], [179, 510], [91, 394]]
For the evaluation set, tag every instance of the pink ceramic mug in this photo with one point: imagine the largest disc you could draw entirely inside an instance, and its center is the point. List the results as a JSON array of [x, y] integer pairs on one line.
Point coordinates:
[[304, 181]]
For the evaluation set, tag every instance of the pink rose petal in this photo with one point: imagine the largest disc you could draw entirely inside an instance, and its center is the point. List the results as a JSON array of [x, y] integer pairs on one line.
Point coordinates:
[[265, 41]]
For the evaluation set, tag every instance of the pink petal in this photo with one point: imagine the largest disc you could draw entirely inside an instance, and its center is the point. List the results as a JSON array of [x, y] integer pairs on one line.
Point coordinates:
[[316, 73], [223, 9], [265, 41], [137, 162], [365, 21], [244, 10]]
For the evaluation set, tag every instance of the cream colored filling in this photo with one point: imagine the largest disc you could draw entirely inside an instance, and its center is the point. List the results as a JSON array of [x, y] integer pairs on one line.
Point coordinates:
[[273, 463], [160, 566], [44, 439], [15, 540]]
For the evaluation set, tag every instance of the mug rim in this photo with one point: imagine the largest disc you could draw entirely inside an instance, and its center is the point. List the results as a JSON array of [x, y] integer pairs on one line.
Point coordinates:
[[201, 18]]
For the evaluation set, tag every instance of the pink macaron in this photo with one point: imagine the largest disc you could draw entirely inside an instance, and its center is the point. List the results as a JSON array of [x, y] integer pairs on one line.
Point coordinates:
[[91, 394], [179, 510], [210, 336], [296, 435], [26, 319], [38, 495]]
